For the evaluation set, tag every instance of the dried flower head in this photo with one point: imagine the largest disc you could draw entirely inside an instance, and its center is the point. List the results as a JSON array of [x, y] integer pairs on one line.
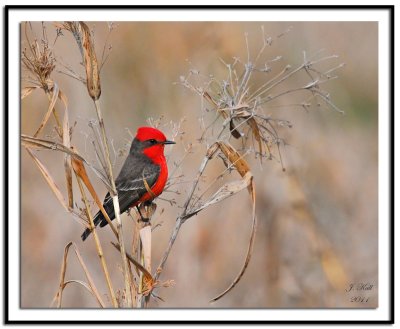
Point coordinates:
[[83, 38], [39, 60]]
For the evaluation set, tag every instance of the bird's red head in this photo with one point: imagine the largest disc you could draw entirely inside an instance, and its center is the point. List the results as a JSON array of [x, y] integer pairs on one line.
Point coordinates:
[[146, 133], [153, 141]]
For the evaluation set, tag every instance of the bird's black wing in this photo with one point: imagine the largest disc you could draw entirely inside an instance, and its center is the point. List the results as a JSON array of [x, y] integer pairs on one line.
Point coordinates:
[[130, 191], [130, 187]]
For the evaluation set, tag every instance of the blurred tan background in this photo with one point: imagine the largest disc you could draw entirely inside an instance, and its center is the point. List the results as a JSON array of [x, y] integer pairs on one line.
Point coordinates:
[[317, 222]]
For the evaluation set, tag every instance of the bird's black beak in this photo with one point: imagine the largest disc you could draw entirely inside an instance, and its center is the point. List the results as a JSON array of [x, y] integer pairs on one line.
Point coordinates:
[[168, 142]]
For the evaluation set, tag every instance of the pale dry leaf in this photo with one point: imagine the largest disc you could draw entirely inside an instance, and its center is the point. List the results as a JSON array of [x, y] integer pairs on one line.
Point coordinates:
[[67, 144], [252, 192], [25, 92], [80, 171], [53, 101], [229, 189], [88, 276], [49, 179], [234, 158], [61, 286], [225, 191], [256, 133], [81, 33], [84, 284], [37, 143], [91, 287], [91, 65], [139, 266], [145, 238]]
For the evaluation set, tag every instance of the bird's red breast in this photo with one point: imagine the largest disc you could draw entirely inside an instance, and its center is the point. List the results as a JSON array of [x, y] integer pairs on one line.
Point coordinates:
[[159, 185]]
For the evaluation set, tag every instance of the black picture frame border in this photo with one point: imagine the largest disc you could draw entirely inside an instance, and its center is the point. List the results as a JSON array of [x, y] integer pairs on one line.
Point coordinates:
[[6, 13]]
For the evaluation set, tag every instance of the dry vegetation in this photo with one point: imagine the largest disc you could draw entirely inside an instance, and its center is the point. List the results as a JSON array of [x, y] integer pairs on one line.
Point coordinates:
[[240, 131]]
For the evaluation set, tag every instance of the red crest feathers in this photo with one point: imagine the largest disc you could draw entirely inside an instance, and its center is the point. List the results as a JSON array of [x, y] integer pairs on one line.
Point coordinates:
[[145, 133]]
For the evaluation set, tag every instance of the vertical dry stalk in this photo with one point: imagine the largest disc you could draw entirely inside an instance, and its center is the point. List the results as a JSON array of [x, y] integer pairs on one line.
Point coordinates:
[[40, 62], [91, 287], [114, 194], [82, 36], [135, 250], [145, 243], [180, 220], [98, 245], [141, 248]]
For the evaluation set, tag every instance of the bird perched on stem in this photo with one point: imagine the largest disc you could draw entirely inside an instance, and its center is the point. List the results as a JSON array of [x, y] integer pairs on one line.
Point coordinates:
[[142, 177]]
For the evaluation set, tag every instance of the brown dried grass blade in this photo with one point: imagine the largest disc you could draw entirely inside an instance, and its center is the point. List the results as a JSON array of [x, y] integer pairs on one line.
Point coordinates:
[[54, 188], [145, 238], [81, 33], [58, 296], [80, 170], [91, 286], [50, 181], [88, 276], [67, 144], [84, 284], [38, 143], [25, 92], [224, 192], [235, 158], [148, 189], [49, 110], [251, 188], [91, 65], [97, 243], [207, 96], [251, 121], [244, 170], [139, 266], [256, 133]]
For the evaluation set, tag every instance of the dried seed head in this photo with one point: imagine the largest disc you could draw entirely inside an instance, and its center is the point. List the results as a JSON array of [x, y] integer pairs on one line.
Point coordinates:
[[82, 36], [39, 60]]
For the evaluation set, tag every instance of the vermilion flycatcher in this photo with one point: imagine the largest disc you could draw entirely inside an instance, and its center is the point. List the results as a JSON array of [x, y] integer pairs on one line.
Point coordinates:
[[145, 164]]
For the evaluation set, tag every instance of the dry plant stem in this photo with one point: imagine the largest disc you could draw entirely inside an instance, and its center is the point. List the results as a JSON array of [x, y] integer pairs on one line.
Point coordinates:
[[171, 242], [59, 129], [98, 245], [80, 170], [135, 253], [38, 143], [140, 251], [91, 286], [145, 258], [132, 279], [127, 277], [62, 277], [134, 262], [140, 297], [181, 219]]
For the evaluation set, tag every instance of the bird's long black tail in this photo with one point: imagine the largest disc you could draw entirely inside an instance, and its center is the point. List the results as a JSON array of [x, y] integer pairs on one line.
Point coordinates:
[[97, 219]]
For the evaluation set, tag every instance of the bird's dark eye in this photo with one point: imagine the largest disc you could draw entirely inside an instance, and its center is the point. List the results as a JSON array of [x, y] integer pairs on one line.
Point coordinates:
[[152, 141]]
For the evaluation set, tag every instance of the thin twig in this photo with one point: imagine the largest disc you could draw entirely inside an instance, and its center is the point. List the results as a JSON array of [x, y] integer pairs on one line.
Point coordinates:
[[98, 244], [114, 195]]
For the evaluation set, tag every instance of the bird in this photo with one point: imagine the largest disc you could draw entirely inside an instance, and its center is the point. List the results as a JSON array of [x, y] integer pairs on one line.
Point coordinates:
[[142, 177]]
